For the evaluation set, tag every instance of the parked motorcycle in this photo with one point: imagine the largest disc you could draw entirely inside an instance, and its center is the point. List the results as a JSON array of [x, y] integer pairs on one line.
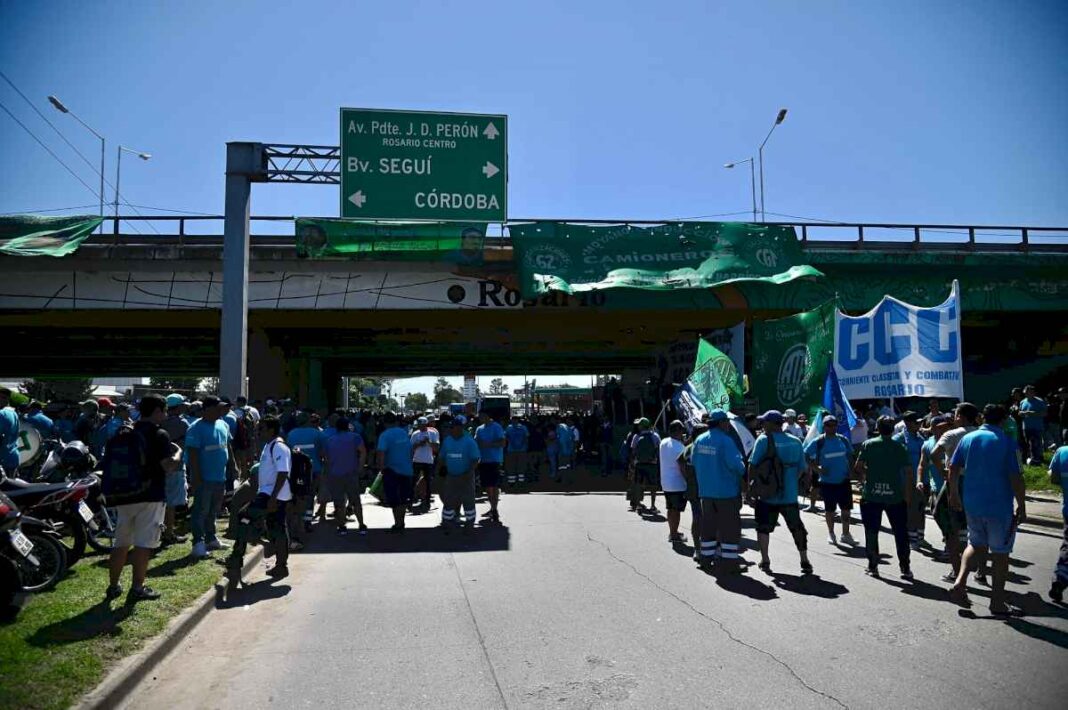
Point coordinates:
[[63, 505], [32, 559]]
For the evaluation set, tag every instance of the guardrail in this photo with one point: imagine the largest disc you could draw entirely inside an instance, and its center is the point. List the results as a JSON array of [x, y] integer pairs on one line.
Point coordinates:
[[204, 229]]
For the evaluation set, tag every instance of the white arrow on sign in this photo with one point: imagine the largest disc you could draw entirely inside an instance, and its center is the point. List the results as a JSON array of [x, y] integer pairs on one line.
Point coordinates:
[[489, 169], [358, 198], [490, 131]]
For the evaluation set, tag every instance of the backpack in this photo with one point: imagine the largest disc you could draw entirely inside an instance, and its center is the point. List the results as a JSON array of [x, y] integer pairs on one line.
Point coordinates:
[[300, 473], [246, 424], [646, 450], [123, 478], [766, 479]]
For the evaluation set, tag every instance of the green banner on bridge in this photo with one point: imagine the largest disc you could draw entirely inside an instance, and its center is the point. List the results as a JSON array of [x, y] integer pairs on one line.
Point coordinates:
[[447, 242], [573, 258], [30, 235]]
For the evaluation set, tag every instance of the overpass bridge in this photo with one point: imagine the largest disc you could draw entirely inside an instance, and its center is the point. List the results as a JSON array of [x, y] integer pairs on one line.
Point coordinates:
[[128, 303]]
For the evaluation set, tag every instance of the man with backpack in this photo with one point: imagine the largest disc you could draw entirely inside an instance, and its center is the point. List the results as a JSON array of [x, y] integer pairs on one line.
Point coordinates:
[[136, 461], [275, 494], [828, 456], [645, 465], [775, 469]]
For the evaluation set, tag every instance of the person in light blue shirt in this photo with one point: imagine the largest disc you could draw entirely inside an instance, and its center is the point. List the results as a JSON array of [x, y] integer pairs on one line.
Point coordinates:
[[307, 436], [1033, 413], [490, 439], [210, 453], [928, 480], [987, 460], [1058, 475], [9, 434], [517, 437], [720, 473], [458, 458], [828, 456], [39, 420], [788, 449], [395, 461]]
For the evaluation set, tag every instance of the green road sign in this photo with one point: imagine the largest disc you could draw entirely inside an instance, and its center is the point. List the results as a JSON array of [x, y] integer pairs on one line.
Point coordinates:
[[423, 165]]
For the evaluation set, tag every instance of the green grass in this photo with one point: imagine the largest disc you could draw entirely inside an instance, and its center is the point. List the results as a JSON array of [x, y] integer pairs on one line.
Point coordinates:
[[64, 641], [1036, 478]]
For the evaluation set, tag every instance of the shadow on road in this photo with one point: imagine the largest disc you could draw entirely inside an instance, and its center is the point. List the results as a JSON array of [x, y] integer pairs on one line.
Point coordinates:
[[484, 538], [738, 583], [249, 594], [809, 584]]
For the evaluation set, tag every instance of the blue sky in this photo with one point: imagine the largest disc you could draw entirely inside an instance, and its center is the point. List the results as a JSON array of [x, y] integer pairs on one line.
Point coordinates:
[[898, 112]]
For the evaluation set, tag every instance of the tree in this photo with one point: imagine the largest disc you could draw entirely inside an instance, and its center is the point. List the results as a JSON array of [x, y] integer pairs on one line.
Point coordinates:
[[184, 385], [445, 394], [497, 386], [68, 390], [417, 402]]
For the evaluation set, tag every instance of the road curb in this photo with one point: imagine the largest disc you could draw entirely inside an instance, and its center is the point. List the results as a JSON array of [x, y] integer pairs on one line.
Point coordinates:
[[132, 670]]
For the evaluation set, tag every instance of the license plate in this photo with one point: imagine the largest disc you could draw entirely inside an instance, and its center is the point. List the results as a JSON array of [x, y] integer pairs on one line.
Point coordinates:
[[22, 544], [85, 511]]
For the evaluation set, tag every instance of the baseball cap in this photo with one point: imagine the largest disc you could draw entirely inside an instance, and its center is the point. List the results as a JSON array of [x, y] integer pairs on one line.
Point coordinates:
[[421, 421], [830, 418], [226, 401], [644, 422], [175, 400], [909, 416], [772, 415], [103, 402], [459, 420], [789, 413], [717, 415], [210, 401], [940, 419]]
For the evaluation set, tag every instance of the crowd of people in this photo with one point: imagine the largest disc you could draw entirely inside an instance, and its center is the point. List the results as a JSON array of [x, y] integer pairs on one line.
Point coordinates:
[[282, 466]]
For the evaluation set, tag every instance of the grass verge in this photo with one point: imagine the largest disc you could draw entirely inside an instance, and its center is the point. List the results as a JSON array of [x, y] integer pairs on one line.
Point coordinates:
[[64, 641], [1036, 478]]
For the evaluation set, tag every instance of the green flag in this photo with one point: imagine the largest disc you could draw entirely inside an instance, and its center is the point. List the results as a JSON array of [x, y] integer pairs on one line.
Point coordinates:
[[415, 241], [573, 258], [715, 378], [790, 359], [30, 235]]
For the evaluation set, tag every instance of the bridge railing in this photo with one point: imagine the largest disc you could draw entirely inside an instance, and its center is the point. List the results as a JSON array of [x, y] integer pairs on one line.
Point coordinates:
[[278, 229]]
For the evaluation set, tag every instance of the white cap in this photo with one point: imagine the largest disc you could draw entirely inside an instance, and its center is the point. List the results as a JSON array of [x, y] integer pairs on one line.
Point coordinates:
[[789, 413]]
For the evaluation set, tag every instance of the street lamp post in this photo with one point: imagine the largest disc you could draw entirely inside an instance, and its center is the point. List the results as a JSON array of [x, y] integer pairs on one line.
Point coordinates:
[[752, 180], [778, 119], [63, 109], [118, 172]]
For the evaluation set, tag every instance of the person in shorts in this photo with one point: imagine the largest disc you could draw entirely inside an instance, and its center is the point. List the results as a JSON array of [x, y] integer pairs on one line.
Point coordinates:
[[987, 459], [828, 458], [490, 439], [140, 517], [344, 455], [395, 461], [789, 450], [672, 479]]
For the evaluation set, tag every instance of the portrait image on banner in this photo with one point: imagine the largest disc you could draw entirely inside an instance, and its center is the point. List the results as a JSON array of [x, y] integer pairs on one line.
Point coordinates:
[[899, 350]]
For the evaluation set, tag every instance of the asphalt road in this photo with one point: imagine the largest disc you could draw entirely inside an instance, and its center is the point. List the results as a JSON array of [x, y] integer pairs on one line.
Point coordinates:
[[577, 603]]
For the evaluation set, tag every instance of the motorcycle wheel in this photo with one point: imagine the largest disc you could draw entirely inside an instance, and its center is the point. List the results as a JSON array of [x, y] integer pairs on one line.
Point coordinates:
[[52, 563], [102, 539], [75, 537]]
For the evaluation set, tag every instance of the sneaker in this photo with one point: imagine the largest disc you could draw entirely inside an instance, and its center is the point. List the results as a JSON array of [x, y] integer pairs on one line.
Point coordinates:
[[812, 508], [949, 578], [199, 551], [676, 537], [342, 531], [806, 567], [278, 572], [170, 538], [362, 530], [142, 594], [1056, 592], [906, 573], [495, 516], [915, 545], [487, 514], [980, 578], [765, 567], [217, 545], [296, 546], [832, 540], [872, 571], [114, 591], [848, 539]]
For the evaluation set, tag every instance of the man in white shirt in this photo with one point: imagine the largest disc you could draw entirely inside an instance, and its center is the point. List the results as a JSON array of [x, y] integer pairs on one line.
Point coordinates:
[[790, 426], [673, 479], [274, 494], [425, 443]]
